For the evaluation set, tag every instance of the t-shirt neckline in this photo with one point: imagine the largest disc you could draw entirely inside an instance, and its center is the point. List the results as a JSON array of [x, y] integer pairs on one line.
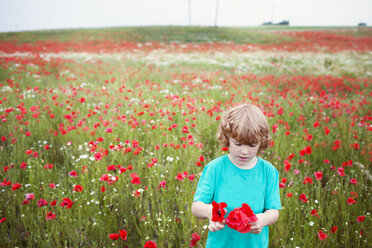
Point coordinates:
[[240, 169]]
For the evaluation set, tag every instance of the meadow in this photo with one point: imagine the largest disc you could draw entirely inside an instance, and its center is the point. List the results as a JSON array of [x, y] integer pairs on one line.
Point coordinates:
[[105, 132]]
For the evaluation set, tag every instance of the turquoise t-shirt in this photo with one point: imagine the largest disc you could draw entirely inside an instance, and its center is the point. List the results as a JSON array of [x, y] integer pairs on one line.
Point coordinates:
[[222, 181]]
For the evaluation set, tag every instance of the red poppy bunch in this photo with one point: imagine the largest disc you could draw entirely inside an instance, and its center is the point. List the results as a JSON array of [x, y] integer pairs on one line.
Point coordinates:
[[122, 234], [238, 219], [194, 239]]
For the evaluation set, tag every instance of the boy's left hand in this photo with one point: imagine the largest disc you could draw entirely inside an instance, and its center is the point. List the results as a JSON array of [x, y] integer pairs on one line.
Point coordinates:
[[257, 226]]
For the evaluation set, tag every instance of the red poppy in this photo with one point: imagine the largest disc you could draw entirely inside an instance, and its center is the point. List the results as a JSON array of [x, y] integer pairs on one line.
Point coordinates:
[[334, 229], [16, 186], [66, 203], [30, 196], [194, 239], [287, 165], [135, 178], [50, 216], [318, 175], [78, 188], [201, 158], [239, 219], [179, 176], [48, 166], [218, 211], [326, 130], [307, 180], [114, 236], [103, 189], [360, 218], [23, 165], [123, 234], [353, 181], [150, 244], [351, 201], [2, 220], [303, 198], [191, 177], [5, 183], [72, 173], [111, 167], [354, 194], [162, 184], [122, 170], [41, 202], [290, 156], [289, 195], [322, 236], [314, 212], [341, 172]]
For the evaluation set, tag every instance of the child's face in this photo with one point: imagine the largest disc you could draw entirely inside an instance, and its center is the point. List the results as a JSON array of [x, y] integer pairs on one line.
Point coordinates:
[[241, 155]]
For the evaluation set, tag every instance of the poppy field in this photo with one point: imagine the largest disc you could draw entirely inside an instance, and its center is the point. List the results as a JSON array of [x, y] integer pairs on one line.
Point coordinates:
[[104, 133]]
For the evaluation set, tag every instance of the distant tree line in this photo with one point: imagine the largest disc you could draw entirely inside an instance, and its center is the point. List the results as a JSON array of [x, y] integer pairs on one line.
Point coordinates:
[[282, 23]]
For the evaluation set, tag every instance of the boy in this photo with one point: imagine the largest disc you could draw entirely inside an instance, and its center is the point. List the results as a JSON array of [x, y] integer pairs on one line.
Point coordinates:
[[240, 177]]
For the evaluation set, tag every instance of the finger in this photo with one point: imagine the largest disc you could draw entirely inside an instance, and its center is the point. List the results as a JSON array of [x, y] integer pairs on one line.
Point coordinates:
[[213, 227], [219, 227]]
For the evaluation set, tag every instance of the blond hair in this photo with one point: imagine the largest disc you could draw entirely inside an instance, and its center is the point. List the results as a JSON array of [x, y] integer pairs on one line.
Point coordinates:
[[246, 124]]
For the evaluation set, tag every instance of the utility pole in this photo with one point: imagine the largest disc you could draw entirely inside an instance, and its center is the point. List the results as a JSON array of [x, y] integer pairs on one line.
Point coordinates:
[[215, 17], [189, 12], [272, 12]]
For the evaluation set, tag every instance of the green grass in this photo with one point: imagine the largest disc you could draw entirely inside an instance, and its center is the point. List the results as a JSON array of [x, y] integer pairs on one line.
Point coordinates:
[[178, 34]]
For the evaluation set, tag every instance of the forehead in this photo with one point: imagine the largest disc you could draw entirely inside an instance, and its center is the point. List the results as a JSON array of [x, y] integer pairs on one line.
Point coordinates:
[[244, 142]]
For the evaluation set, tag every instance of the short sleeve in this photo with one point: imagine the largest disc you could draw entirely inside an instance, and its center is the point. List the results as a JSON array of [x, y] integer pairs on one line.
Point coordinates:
[[206, 185], [272, 195]]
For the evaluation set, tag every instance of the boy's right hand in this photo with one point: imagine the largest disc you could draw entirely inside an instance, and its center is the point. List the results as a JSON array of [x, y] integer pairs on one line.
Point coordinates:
[[216, 226]]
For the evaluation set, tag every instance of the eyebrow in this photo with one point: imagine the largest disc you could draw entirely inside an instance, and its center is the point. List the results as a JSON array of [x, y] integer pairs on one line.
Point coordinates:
[[238, 143]]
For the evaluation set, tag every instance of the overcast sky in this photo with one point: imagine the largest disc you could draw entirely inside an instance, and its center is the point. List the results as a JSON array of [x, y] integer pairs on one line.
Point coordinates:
[[18, 15]]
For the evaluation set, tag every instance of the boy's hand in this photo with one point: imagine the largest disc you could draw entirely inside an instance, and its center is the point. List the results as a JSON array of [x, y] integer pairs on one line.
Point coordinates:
[[216, 226], [257, 226]]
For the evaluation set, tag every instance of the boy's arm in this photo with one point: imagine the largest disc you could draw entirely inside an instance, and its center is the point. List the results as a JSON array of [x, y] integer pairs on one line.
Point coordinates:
[[202, 210], [267, 218]]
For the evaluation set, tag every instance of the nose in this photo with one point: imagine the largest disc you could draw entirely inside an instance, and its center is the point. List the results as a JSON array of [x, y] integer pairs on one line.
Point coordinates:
[[244, 150]]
